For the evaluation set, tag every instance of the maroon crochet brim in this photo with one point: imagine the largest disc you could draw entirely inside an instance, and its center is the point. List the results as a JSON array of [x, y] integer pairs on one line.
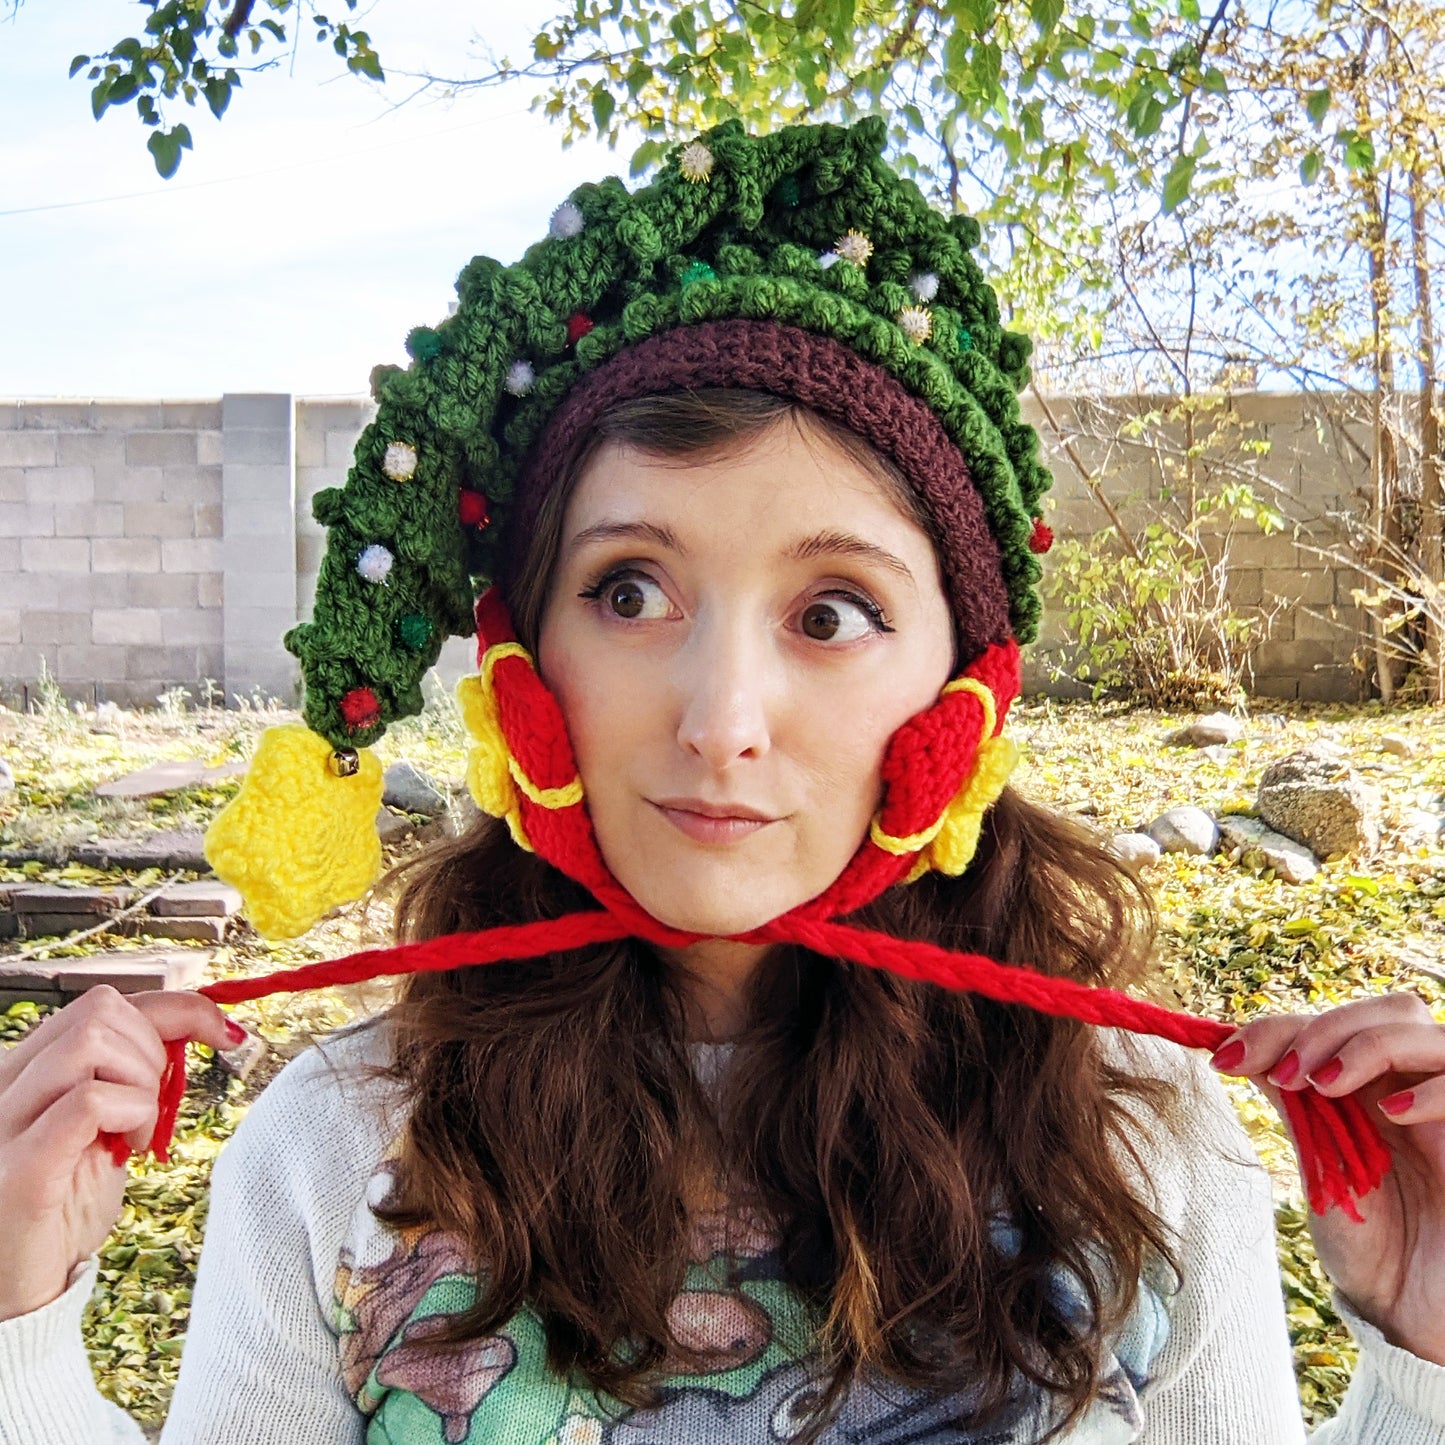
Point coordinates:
[[829, 378]]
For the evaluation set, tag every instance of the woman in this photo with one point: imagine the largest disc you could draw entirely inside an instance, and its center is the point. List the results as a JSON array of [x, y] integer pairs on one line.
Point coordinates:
[[686, 1183]]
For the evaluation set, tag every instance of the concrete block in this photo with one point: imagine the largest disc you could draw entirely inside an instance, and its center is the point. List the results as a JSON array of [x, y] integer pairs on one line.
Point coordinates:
[[27, 519], [200, 930], [27, 449], [59, 484], [1325, 624], [1275, 685], [54, 554], [242, 447], [160, 449], [257, 626], [161, 589], [191, 554], [9, 554], [209, 448], [89, 519], [52, 998], [1313, 586], [10, 625], [195, 416], [155, 664], [340, 445], [90, 448], [83, 662], [126, 554], [1245, 587], [126, 627], [191, 485], [196, 900], [57, 898], [1335, 684], [96, 589], [12, 484], [244, 515], [1256, 550], [249, 588], [267, 489], [211, 663], [270, 410], [353, 412], [57, 627], [116, 482], [210, 590], [127, 416], [134, 695], [9, 415], [310, 448], [206, 520], [189, 626], [159, 519], [1290, 658], [136, 971]]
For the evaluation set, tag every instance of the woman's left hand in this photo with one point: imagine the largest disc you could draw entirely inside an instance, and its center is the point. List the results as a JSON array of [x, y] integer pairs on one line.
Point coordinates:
[[1391, 1051]]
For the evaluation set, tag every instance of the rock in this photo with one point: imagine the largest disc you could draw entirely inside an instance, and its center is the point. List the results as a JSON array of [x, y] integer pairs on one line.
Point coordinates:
[[391, 826], [1420, 826], [410, 790], [240, 1061], [1259, 846], [7, 778], [1204, 732], [1238, 831], [1184, 830], [1136, 849], [166, 777], [1314, 797], [1217, 752], [1400, 746]]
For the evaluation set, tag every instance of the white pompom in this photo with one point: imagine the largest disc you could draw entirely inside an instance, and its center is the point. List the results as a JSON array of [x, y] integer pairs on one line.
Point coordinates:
[[521, 378], [696, 162], [924, 285], [399, 463], [917, 324], [829, 259], [567, 221], [375, 563]]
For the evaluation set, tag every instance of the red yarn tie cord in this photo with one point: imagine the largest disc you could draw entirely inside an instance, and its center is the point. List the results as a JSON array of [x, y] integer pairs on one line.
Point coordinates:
[[1342, 1153]]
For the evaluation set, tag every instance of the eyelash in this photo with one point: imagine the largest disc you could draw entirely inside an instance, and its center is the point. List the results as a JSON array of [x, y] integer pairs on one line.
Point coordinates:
[[871, 609]]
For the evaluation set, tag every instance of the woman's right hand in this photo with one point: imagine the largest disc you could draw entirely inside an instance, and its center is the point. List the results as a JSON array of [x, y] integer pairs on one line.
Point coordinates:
[[93, 1066]]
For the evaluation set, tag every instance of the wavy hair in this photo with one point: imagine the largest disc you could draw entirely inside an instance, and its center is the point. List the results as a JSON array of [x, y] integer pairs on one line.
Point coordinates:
[[558, 1128]]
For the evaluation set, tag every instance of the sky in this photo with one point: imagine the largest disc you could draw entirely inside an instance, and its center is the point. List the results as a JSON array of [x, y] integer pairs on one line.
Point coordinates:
[[299, 241]]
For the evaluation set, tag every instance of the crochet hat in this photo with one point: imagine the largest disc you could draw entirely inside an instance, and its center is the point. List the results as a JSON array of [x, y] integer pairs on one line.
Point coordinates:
[[796, 263]]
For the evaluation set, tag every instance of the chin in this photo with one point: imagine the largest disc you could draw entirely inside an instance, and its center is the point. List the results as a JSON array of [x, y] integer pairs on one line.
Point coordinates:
[[718, 917]]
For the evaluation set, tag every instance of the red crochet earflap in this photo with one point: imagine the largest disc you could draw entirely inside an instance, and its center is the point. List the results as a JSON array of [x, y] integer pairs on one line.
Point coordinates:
[[942, 770]]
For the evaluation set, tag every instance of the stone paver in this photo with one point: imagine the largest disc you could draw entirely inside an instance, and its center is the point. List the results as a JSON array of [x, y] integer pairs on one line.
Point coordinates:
[[128, 971], [166, 777]]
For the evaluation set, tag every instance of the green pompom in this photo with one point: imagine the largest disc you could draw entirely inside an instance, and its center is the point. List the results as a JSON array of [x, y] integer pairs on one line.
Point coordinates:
[[414, 630]]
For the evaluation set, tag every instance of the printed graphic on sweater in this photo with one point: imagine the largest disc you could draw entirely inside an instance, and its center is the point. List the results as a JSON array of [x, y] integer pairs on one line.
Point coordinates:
[[393, 1289]]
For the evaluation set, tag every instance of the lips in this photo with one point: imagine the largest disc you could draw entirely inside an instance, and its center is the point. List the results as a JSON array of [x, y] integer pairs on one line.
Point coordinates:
[[721, 823]]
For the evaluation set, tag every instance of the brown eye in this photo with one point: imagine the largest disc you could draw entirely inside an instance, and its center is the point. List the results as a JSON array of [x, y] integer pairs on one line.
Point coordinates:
[[821, 621], [625, 598]]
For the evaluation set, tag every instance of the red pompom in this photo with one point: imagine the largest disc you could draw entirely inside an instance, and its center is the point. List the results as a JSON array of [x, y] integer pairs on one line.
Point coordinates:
[[1043, 537], [472, 508], [578, 325], [360, 708]]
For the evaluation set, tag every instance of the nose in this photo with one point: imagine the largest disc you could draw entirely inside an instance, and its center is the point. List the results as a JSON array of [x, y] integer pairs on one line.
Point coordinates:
[[724, 683]]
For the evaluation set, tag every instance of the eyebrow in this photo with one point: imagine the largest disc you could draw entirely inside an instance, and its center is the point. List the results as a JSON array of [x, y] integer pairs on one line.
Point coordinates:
[[821, 544]]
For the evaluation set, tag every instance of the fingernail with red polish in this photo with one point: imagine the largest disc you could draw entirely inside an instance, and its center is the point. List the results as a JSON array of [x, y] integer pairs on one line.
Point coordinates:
[[1327, 1073], [1284, 1071], [1398, 1103], [235, 1033], [1229, 1056]]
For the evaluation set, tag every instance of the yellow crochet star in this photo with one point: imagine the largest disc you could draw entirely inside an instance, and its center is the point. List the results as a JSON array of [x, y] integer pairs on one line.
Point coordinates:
[[297, 839], [489, 770]]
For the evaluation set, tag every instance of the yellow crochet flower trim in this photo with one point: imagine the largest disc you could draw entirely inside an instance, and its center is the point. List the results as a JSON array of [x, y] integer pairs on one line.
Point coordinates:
[[495, 778], [297, 839], [949, 844]]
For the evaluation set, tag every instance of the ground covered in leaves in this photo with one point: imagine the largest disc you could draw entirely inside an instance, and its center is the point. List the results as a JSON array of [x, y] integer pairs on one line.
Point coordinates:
[[1233, 943]]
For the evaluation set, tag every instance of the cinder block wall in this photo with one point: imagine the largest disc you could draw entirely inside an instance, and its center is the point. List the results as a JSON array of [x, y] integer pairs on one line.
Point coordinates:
[[110, 547], [147, 545]]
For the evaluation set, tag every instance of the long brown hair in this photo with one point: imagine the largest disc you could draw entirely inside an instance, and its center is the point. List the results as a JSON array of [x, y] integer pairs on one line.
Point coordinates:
[[559, 1129]]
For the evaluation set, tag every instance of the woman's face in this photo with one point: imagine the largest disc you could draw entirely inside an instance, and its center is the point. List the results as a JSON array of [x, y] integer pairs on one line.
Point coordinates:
[[732, 643]]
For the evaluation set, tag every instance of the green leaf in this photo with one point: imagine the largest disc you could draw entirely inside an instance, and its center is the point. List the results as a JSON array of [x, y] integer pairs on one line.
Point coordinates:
[[1189, 11], [602, 107], [684, 30], [165, 152], [1046, 14], [1317, 103], [1309, 167], [218, 96], [1360, 153], [1214, 81], [122, 88], [99, 98], [1178, 181], [78, 64]]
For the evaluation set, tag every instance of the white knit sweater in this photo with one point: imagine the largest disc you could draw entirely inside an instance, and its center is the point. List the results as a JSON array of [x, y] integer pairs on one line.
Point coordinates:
[[308, 1319]]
